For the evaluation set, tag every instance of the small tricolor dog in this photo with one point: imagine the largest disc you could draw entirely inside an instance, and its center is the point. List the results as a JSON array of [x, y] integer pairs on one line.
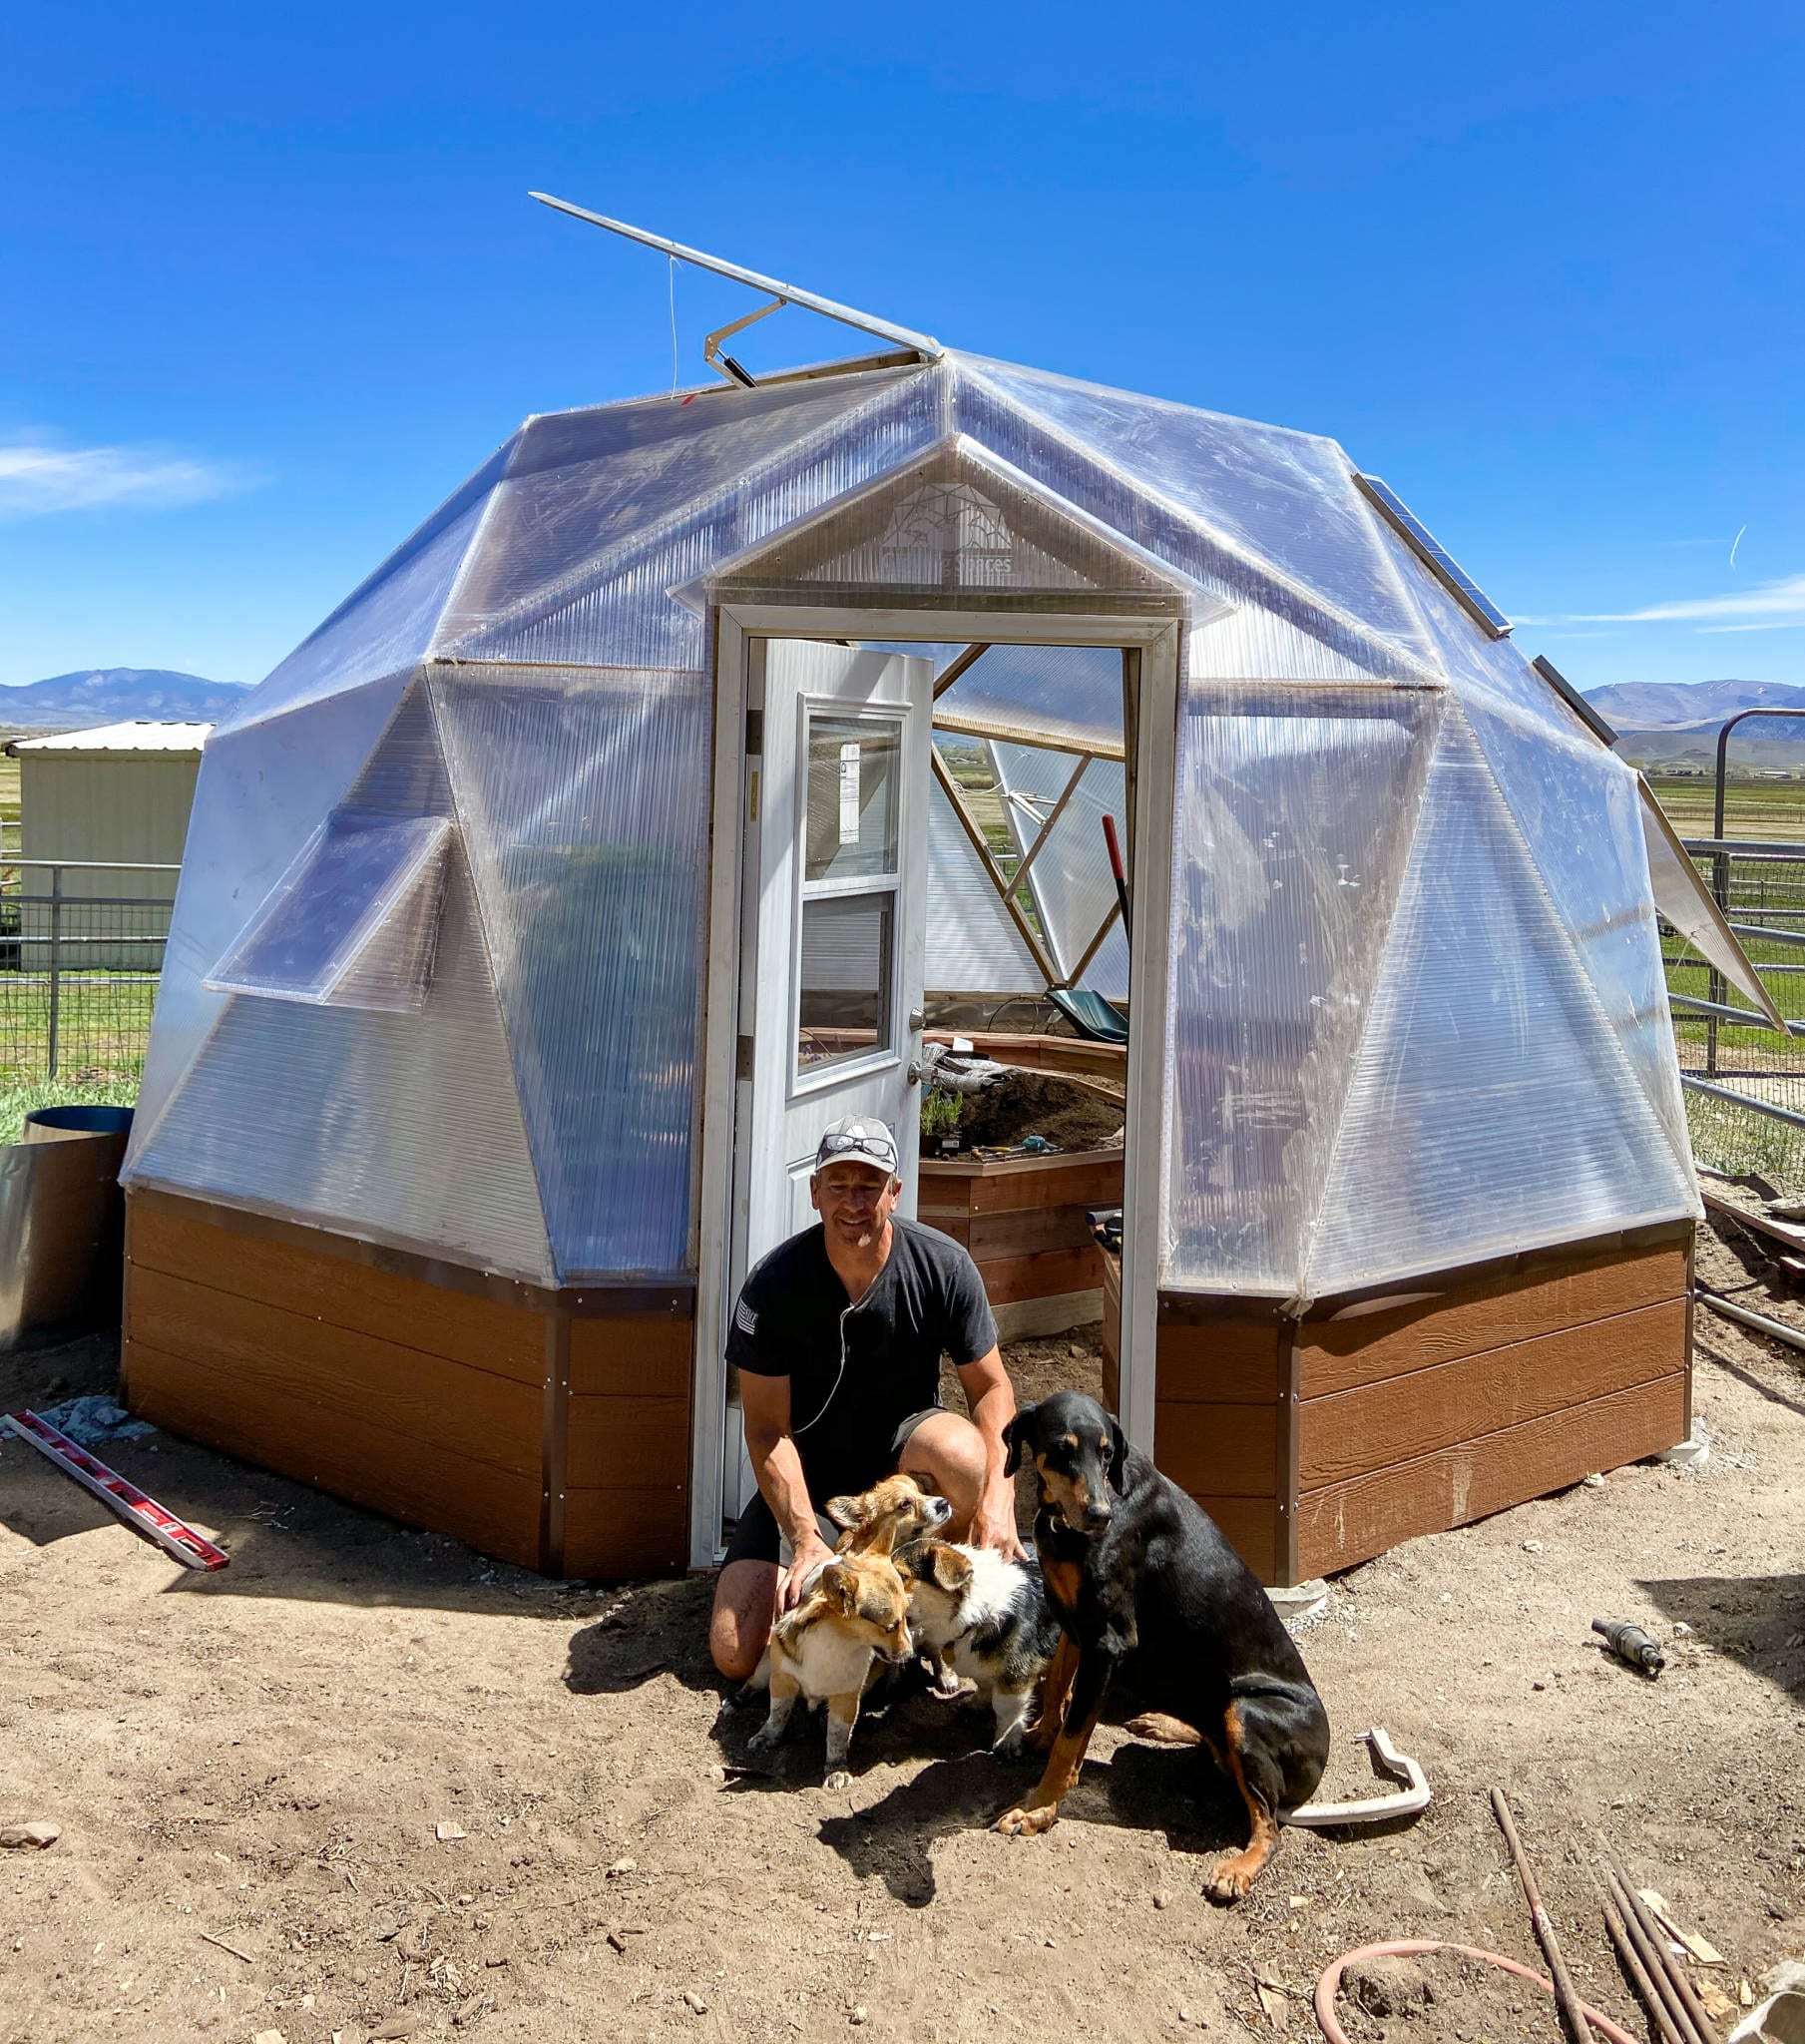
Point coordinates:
[[1147, 1592], [852, 1619], [977, 1615]]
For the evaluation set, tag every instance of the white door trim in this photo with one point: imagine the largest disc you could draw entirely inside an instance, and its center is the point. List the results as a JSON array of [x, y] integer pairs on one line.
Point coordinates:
[[734, 785]]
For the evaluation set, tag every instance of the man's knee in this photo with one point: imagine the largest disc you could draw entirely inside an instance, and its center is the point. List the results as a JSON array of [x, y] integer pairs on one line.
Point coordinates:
[[949, 1451], [740, 1627]]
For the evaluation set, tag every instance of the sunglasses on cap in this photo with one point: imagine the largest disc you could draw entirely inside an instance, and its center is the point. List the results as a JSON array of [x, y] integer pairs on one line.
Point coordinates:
[[872, 1148]]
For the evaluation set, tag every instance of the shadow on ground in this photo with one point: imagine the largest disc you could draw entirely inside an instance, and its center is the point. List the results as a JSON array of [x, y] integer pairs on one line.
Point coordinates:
[[1758, 1621]]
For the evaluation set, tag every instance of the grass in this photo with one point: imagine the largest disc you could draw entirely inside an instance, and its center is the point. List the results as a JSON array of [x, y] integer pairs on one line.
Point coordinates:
[[103, 1025], [17, 1101], [1753, 806]]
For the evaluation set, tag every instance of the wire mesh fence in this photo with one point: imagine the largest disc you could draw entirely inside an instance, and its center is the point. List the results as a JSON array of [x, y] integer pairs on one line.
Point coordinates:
[[1745, 1081], [80, 950]]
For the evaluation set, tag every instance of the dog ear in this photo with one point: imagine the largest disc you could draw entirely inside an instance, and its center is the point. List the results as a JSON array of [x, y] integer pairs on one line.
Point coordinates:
[[845, 1512], [952, 1570], [841, 1586], [1015, 1434], [1119, 1453]]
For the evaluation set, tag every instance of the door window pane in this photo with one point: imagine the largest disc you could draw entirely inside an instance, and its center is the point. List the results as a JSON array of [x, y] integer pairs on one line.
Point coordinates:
[[853, 768], [844, 1009]]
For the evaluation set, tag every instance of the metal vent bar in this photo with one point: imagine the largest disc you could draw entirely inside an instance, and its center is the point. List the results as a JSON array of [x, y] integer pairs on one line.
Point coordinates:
[[1436, 557]]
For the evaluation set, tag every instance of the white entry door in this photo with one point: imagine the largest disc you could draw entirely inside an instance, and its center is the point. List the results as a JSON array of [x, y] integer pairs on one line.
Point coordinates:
[[834, 934]]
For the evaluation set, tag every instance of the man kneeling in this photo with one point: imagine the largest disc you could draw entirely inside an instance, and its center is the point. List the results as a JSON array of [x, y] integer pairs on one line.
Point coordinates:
[[837, 1338]]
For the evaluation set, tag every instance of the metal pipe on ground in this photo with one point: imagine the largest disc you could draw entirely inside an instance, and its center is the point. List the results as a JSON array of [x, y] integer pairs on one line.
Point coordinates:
[[1775, 1331], [1572, 2008], [1648, 1940]]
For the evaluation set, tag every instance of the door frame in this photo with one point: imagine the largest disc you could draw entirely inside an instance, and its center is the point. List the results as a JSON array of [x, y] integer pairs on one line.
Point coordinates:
[[1155, 641]]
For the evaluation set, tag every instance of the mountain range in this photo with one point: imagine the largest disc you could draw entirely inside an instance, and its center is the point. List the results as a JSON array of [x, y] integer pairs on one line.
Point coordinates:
[[110, 695], [1676, 724]]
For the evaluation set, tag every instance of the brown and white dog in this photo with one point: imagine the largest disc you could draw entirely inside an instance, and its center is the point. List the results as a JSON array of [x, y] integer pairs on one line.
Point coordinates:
[[888, 1516], [853, 1617]]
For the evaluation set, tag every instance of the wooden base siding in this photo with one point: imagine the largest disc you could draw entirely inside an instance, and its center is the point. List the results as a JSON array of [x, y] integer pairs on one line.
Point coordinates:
[[1023, 1220], [1215, 1422], [523, 1422], [1320, 1443], [1437, 1412]]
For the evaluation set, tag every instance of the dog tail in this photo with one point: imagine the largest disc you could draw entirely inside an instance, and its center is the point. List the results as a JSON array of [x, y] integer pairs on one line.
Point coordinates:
[[1163, 1728]]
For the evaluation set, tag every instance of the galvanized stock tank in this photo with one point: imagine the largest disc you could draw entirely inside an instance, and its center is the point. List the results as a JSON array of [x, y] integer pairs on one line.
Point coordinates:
[[61, 1219]]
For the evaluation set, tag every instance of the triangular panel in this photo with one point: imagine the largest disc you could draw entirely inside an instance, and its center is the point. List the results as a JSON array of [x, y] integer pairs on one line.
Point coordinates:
[[1580, 809], [1284, 501], [262, 791], [1047, 691], [1294, 816], [1070, 881], [1492, 1109], [577, 798], [972, 946], [399, 1128]]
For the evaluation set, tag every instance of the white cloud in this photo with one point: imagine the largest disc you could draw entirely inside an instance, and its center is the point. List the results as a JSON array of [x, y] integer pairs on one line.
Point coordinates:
[[1774, 603], [38, 476]]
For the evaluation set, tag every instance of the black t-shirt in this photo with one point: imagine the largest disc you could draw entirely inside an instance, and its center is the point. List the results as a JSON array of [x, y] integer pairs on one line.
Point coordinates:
[[857, 1370]]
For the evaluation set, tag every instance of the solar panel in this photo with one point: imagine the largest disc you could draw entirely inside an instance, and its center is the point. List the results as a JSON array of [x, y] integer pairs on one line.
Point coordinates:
[[1436, 557], [1571, 695]]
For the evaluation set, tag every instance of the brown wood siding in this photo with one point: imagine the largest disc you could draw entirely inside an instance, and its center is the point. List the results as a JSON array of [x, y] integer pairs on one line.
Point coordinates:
[[427, 1403], [1363, 1346], [1348, 1522], [1402, 1417], [1215, 1424], [1441, 1410], [627, 1509]]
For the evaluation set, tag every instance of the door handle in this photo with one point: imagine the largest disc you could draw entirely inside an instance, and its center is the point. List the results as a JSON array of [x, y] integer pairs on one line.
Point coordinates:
[[916, 1072], [917, 1020]]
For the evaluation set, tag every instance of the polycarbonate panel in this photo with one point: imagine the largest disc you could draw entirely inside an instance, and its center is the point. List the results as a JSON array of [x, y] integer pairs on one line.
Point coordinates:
[[395, 1128], [400, 1128], [1579, 808], [1053, 691], [262, 791], [972, 945], [1252, 643], [1293, 824], [637, 601], [1476, 664], [384, 625], [950, 528], [580, 800], [353, 899], [1683, 898], [1283, 501], [1491, 1107], [1072, 882]]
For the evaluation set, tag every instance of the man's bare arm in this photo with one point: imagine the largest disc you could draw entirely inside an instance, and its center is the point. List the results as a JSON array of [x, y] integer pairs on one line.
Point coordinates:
[[764, 1401], [990, 1399]]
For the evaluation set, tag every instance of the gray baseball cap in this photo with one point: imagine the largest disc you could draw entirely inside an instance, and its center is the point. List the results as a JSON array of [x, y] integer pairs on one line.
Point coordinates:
[[857, 1139]]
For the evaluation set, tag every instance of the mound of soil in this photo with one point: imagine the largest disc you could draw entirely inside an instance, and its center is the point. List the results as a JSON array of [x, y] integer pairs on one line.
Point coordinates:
[[1039, 1104]]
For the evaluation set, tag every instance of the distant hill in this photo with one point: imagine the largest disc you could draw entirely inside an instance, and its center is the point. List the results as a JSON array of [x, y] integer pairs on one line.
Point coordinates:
[[107, 695], [1676, 724]]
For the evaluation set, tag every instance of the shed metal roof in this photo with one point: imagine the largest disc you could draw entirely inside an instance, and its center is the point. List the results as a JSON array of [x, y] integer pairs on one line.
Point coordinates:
[[142, 735]]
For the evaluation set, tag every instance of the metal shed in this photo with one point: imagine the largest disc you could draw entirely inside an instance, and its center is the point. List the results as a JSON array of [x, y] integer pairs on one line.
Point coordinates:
[[91, 801]]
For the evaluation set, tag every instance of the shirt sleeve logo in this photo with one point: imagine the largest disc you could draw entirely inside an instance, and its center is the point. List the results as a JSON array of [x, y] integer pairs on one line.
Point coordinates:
[[745, 1319]]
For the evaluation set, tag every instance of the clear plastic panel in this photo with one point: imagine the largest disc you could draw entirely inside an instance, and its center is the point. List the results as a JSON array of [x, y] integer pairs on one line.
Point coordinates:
[[358, 896], [388, 623], [1053, 691], [1683, 898], [399, 1129], [1580, 809], [972, 945], [1283, 501], [262, 793], [1072, 882], [1294, 816], [1254, 644], [578, 798], [951, 529], [1492, 1109], [637, 601]]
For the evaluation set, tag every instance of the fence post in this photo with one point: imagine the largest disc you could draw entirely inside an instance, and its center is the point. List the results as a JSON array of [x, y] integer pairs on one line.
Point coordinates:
[[56, 958]]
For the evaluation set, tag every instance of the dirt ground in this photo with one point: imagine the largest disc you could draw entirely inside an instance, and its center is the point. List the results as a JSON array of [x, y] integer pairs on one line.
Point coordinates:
[[1040, 1104], [261, 1757]]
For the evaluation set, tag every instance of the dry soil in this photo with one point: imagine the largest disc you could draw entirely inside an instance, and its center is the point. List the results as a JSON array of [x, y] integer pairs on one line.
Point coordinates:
[[364, 1784]]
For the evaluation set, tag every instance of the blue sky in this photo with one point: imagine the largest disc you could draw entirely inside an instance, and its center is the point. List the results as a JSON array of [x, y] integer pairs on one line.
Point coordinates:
[[273, 285]]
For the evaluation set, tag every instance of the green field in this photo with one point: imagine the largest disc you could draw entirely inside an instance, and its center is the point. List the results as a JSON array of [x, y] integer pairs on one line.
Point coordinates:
[[1761, 806]]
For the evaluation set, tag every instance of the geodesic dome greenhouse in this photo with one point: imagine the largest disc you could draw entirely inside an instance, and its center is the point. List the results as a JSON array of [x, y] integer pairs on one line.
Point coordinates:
[[435, 979]]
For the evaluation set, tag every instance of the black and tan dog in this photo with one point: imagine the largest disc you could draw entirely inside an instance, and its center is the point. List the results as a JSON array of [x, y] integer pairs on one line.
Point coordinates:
[[1153, 1601]]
